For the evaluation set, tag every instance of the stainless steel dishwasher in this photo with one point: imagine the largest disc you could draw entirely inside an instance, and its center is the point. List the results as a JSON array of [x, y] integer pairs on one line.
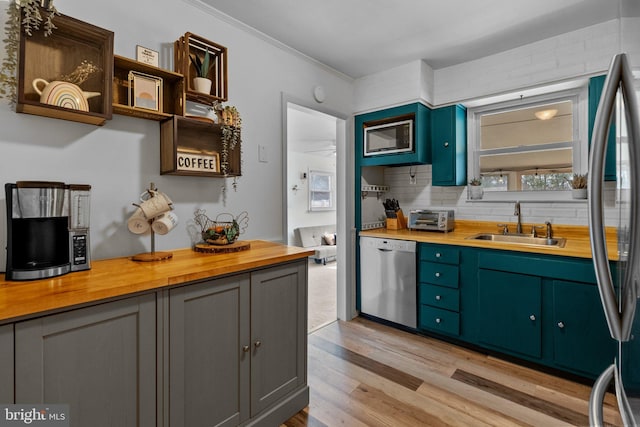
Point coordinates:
[[388, 280]]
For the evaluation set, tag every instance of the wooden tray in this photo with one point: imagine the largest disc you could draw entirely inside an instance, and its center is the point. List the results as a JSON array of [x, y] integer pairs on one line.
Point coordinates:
[[217, 249]]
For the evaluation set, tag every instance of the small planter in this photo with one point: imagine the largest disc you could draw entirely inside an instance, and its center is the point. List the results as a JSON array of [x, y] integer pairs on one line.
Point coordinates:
[[579, 193], [475, 192], [202, 85]]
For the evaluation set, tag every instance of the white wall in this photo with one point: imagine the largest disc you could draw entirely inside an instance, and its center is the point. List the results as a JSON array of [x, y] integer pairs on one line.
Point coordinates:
[[298, 206], [122, 157], [580, 53]]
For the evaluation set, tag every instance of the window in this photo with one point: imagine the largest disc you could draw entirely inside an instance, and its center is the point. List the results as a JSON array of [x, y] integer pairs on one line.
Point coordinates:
[[529, 147], [321, 191]]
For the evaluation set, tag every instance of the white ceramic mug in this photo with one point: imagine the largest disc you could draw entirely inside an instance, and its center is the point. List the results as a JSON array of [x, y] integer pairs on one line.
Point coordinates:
[[164, 223], [156, 205], [138, 223]]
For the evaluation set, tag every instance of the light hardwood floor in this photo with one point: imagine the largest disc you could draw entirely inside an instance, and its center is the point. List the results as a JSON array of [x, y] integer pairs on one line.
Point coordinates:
[[362, 373]]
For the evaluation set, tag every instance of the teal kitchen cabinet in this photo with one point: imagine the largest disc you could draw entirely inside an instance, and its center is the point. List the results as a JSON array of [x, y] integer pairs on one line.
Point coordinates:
[[581, 339], [6, 363], [421, 153], [510, 307], [596, 84], [542, 308], [237, 347], [449, 145], [438, 293], [100, 360]]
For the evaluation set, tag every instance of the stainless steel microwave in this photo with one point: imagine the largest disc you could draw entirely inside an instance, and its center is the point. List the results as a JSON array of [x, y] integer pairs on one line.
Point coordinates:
[[388, 138]]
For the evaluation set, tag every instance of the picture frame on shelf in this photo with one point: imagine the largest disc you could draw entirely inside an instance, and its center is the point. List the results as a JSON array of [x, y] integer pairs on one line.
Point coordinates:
[[145, 91], [147, 56], [198, 161]]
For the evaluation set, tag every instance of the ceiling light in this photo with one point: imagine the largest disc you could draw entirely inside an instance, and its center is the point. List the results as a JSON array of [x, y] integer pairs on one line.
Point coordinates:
[[546, 114]]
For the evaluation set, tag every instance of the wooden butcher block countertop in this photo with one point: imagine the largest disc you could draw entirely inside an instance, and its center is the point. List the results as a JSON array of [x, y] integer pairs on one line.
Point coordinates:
[[117, 277], [578, 241]]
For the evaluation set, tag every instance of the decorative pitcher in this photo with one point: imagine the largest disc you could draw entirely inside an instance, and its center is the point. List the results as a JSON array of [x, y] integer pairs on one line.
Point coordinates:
[[63, 94]]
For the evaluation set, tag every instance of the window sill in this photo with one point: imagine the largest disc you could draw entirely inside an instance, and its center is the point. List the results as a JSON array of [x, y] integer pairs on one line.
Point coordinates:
[[527, 196]]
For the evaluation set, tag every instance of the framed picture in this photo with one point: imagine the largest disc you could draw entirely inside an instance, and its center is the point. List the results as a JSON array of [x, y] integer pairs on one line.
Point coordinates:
[[145, 91], [147, 56], [197, 161]]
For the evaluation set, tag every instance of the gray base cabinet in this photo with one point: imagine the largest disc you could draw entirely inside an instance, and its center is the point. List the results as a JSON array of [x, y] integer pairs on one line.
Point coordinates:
[[223, 352], [99, 360], [237, 352], [208, 329], [6, 363]]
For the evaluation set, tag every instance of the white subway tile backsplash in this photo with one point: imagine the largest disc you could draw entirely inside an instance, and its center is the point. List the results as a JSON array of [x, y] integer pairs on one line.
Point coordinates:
[[423, 195]]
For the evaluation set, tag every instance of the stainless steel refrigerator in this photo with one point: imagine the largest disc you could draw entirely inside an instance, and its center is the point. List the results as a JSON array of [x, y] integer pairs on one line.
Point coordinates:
[[618, 291]]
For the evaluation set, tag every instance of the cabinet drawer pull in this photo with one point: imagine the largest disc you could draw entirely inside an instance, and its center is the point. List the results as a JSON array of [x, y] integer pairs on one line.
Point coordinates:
[[561, 325], [532, 317], [437, 274], [245, 348], [438, 254], [446, 144], [438, 320], [257, 344], [438, 297]]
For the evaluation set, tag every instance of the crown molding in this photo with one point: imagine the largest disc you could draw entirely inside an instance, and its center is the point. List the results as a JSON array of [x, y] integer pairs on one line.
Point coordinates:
[[264, 37]]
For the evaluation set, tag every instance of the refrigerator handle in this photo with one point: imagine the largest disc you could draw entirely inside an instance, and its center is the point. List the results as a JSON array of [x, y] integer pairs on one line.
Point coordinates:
[[596, 399], [619, 75]]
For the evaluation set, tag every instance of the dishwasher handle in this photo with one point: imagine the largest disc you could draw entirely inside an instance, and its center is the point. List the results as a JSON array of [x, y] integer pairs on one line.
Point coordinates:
[[385, 250]]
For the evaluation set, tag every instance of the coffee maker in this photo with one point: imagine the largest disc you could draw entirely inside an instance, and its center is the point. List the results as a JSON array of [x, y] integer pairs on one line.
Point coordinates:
[[47, 229]]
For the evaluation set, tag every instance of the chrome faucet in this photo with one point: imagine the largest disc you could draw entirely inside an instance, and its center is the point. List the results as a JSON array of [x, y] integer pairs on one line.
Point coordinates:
[[519, 215], [549, 230]]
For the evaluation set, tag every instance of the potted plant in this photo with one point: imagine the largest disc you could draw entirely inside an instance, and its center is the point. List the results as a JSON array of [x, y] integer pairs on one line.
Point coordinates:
[[475, 189], [579, 186], [202, 83]]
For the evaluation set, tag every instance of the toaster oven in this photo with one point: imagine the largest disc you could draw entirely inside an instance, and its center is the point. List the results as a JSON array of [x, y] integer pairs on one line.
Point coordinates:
[[431, 220]]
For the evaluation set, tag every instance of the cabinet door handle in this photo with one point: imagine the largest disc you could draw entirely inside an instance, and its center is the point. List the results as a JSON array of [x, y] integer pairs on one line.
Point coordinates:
[[561, 325], [437, 274], [446, 144], [257, 344], [438, 320], [245, 348], [532, 317], [438, 297]]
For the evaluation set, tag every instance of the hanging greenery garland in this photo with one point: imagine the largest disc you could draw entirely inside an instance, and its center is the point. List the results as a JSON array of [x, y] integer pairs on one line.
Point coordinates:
[[230, 124], [33, 15]]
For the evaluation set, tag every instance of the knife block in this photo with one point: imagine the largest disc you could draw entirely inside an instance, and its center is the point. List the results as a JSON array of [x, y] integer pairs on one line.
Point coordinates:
[[397, 223]]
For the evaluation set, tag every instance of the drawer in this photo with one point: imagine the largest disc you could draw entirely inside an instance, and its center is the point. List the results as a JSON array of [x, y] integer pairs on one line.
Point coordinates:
[[438, 274], [439, 320], [440, 297], [442, 254]]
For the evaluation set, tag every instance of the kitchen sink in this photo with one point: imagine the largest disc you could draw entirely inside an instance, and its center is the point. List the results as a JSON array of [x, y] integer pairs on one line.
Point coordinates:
[[520, 239]]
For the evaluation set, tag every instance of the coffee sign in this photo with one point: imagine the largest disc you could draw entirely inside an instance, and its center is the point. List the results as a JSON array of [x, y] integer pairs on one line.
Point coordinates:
[[198, 162]]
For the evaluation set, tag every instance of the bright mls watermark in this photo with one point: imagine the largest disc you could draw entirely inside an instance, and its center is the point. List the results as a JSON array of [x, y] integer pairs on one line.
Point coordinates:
[[40, 415]]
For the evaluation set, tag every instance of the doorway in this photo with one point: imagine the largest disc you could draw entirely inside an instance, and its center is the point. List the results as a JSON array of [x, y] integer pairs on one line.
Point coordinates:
[[312, 150]]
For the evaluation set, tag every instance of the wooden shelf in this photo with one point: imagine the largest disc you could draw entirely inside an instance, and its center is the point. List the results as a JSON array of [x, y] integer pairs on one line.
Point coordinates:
[[49, 58], [191, 44], [173, 97], [182, 137]]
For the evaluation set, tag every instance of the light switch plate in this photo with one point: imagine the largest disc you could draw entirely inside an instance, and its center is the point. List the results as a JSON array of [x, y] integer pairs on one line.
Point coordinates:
[[262, 154]]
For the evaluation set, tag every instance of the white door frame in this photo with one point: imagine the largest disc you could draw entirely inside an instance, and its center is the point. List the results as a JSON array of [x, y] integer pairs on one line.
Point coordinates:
[[345, 227]]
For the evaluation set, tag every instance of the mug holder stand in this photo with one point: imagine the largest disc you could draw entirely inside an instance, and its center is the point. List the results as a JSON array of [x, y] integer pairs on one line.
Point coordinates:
[[153, 255]]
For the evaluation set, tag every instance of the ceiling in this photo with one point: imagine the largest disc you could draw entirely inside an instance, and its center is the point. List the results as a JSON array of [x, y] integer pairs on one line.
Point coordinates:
[[361, 37]]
